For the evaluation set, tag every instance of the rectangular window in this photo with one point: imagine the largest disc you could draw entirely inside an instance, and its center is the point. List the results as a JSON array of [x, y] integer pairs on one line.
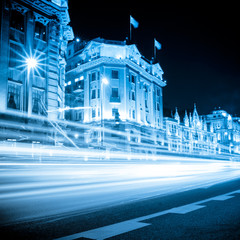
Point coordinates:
[[158, 92], [114, 111], [158, 109], [37, 101], [93, 95], [94, 76], [114, 92], [78, 85], [93, 113], [133, 114], [115, 74], [13, 98], [40, 31], [146, 104], [17, 20], [133, 96], [15, 55], [133, 78]]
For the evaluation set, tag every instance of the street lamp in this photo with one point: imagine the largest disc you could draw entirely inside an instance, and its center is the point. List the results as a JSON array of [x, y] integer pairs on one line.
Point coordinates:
[[31, 63], [104, 81]]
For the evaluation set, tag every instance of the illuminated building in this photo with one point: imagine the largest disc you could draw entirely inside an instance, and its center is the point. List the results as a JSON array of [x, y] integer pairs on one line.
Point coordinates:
[[34, 36], [132, 97], [227, 129], [190, 136]]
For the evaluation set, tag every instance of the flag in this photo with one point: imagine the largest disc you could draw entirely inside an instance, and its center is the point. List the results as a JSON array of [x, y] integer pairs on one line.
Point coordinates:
[[133, 22], [157, 44]]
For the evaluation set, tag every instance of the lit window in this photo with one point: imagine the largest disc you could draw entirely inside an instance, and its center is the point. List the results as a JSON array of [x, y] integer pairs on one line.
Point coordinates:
[[14, 93], [37, 101], [15, 56], [40, 31]]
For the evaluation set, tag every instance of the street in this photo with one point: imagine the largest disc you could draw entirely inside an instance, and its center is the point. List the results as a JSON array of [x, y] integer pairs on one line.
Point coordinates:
[[119, 200]]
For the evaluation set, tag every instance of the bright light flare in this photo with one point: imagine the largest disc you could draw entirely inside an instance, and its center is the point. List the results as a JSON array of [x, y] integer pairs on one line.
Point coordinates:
[[105, 81], [31, 62]]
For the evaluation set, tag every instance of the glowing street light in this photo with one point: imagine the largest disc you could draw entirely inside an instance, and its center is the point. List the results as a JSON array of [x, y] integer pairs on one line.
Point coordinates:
[[31, 63], [105, 81]]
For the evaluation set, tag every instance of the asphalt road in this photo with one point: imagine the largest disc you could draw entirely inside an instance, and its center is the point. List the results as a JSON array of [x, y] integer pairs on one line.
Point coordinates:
[[192, 205]]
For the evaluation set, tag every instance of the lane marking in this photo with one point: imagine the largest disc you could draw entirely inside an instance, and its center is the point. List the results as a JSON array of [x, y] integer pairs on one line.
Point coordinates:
[[134, 224], [108, 231], [186, 209]]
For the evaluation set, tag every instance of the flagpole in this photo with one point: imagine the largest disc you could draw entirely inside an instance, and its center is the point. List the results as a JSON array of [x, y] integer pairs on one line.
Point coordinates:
[[130, 38], [154, 49]]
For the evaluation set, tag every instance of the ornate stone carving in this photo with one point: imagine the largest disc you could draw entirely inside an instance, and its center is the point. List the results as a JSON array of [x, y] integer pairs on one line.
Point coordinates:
[[41, 19], [19, 8]]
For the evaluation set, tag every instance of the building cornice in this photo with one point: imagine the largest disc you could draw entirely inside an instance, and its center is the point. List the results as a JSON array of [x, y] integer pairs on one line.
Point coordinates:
[[124, 62], [47, 8]]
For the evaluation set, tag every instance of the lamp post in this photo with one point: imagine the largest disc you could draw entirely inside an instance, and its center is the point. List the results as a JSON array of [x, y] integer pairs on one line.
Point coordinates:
[[104, 81], [31, 63]]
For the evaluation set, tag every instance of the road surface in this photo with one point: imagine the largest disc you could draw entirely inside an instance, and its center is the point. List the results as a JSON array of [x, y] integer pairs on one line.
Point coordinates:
[[62, 199]]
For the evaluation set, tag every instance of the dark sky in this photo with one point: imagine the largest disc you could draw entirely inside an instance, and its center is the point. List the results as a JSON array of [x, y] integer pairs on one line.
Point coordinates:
[[200, 53]]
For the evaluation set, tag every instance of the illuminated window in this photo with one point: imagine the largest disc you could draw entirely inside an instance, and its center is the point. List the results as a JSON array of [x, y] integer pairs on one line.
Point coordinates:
[[38, 101], [13, 98], [40, 31], [15, 55]]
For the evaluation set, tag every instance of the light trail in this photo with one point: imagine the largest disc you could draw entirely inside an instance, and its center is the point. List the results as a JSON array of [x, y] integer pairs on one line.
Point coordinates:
[[38, 190]]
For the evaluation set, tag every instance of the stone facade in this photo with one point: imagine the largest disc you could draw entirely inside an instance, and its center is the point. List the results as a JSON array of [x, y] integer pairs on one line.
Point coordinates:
[[37, 30]]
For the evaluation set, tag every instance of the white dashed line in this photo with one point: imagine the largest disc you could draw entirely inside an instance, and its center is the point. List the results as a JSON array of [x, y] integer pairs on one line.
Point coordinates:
[[134, 224]]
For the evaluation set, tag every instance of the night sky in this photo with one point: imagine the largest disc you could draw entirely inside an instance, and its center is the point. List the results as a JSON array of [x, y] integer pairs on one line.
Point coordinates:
[[200, 53]]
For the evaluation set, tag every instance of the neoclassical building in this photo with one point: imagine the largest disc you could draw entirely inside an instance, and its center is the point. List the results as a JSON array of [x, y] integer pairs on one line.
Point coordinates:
[[109, 81], [34, 36], [114, 77]]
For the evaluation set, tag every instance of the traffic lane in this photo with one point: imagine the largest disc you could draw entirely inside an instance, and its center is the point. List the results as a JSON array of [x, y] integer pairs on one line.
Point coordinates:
[[37, 191], [217, 220], [75, 222]]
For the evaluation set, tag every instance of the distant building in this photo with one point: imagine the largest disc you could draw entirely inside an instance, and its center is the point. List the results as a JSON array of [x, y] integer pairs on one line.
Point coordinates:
[[227, 129], [189, 136], [34, 36], [132, 95]]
